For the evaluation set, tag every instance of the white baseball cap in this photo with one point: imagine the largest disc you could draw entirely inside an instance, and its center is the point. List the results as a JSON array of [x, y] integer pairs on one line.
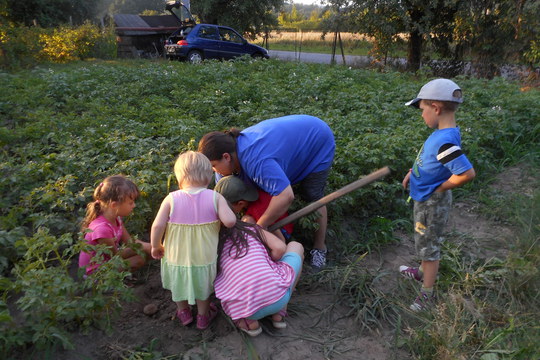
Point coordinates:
[[438, 89]]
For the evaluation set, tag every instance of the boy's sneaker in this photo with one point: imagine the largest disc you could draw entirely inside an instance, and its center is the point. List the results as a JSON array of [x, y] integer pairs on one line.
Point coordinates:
[[423, 302], [411, 273], [318, 258]]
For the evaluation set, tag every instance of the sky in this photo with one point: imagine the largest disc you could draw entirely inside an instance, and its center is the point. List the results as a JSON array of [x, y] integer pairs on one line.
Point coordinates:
[[309, 2]]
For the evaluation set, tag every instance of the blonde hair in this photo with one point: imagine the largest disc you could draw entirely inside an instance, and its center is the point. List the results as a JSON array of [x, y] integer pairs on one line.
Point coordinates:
[[193, 168], [114, 188]]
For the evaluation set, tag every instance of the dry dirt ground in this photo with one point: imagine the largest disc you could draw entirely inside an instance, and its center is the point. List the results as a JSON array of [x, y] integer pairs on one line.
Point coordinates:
[[318, 328]]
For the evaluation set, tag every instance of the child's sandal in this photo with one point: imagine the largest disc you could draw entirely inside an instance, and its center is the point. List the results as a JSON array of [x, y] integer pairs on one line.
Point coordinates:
[[244, 325], [281, 324], [185, 316], [203, 321]]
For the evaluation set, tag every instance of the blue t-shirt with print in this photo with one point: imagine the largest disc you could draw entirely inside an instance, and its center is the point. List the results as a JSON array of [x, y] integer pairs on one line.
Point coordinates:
[[278, 152], [440, 157]]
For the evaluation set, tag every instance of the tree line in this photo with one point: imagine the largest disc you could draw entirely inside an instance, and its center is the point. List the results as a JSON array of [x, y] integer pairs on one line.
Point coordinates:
[[488, 32]]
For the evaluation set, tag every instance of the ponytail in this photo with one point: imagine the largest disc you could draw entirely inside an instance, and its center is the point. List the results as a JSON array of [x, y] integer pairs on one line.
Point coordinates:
[[93, 210], [214, 144]]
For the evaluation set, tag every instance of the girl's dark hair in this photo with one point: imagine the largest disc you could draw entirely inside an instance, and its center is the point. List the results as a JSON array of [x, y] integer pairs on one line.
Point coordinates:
[[216, 143], [113, 188], [238, 236]]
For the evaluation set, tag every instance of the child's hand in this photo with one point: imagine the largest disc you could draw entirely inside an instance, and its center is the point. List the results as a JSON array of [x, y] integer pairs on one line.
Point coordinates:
[[158, 252], [406, 179]]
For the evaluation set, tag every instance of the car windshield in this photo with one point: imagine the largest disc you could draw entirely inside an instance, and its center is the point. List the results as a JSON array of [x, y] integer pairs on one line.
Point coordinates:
[[230, 35]]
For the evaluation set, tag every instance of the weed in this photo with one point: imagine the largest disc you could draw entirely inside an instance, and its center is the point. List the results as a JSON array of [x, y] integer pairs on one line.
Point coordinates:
[[485, 312], [52, 303]]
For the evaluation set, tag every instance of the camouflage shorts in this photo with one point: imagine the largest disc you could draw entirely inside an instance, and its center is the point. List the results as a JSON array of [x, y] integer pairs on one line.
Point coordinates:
[[430, 218]]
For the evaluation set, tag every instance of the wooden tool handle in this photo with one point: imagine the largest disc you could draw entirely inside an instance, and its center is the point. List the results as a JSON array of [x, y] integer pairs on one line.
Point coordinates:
[[368, 179]]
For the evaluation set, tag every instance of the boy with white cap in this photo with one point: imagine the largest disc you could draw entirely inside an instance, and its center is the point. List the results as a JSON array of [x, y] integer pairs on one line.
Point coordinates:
[[439, 167]]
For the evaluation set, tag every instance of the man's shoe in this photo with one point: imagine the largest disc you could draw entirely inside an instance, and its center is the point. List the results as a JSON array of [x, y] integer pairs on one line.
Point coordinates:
[[318, 259]]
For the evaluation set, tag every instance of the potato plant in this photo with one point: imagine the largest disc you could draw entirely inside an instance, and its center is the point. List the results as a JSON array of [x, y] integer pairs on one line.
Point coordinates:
[[66, 127]]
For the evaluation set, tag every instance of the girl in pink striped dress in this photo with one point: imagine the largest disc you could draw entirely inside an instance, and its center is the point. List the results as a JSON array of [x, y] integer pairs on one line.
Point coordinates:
[[188, 222], [257, 274]]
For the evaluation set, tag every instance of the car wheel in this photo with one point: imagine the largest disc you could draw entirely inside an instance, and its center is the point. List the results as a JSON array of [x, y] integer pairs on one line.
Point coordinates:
[[257, 56], [195, 57]]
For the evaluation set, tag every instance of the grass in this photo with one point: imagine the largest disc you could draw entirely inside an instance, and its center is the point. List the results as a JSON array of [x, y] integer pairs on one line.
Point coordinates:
[[488, 306], [314, 42]]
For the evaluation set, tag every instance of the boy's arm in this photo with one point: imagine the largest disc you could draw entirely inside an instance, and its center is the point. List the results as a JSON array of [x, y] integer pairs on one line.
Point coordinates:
[[278, 205], [406, 179], [455, 181]]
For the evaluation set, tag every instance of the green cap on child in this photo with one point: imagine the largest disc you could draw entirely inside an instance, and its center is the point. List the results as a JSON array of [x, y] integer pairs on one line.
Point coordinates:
[[234, 189]]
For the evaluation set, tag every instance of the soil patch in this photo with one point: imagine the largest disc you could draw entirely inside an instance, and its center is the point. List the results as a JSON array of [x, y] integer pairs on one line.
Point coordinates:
[[318, 324]]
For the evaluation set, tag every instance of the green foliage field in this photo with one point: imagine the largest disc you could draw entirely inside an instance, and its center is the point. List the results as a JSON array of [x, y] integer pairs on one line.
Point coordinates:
[[66, 127]]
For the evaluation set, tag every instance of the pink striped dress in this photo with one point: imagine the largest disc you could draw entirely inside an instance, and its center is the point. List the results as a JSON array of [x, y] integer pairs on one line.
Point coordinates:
[[252, 282]]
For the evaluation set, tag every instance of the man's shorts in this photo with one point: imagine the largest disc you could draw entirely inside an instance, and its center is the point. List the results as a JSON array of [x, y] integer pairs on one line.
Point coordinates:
[[430, 218], [312, 187], [295, 261]]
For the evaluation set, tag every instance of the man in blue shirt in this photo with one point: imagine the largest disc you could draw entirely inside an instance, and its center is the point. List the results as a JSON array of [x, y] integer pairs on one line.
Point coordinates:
[[274, 155]]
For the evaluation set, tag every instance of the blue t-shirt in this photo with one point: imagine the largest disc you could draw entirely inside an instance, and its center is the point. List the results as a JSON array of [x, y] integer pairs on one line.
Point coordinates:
[[278, 152], [439, 158]]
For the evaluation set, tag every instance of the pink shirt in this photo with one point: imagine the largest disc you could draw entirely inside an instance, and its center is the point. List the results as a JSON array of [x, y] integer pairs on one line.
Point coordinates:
[[250, 283], [100, 228]]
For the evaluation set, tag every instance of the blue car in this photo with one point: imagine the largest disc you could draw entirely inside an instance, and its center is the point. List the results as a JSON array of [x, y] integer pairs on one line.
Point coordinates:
[[195, 43]]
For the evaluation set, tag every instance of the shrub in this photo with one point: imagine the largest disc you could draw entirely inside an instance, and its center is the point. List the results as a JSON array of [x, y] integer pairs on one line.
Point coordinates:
[[67, 43], [19, 46]]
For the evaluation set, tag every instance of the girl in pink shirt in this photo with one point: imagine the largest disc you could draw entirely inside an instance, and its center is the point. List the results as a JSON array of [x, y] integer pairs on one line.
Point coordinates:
[[114, 199]]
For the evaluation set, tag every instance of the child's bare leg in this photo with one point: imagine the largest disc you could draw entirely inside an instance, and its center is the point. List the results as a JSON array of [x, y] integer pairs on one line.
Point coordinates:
[[319, 241], [134, 260], [280, 235], [296, 247], [203, 306], [181, 305], [251, 325], [430, 270], [277, 316]]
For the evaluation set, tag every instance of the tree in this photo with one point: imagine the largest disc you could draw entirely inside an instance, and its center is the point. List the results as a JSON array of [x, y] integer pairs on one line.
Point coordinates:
[[384, 20], [134, 6], [491, 31], [247, 16], [50, 13], [495, 32]]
